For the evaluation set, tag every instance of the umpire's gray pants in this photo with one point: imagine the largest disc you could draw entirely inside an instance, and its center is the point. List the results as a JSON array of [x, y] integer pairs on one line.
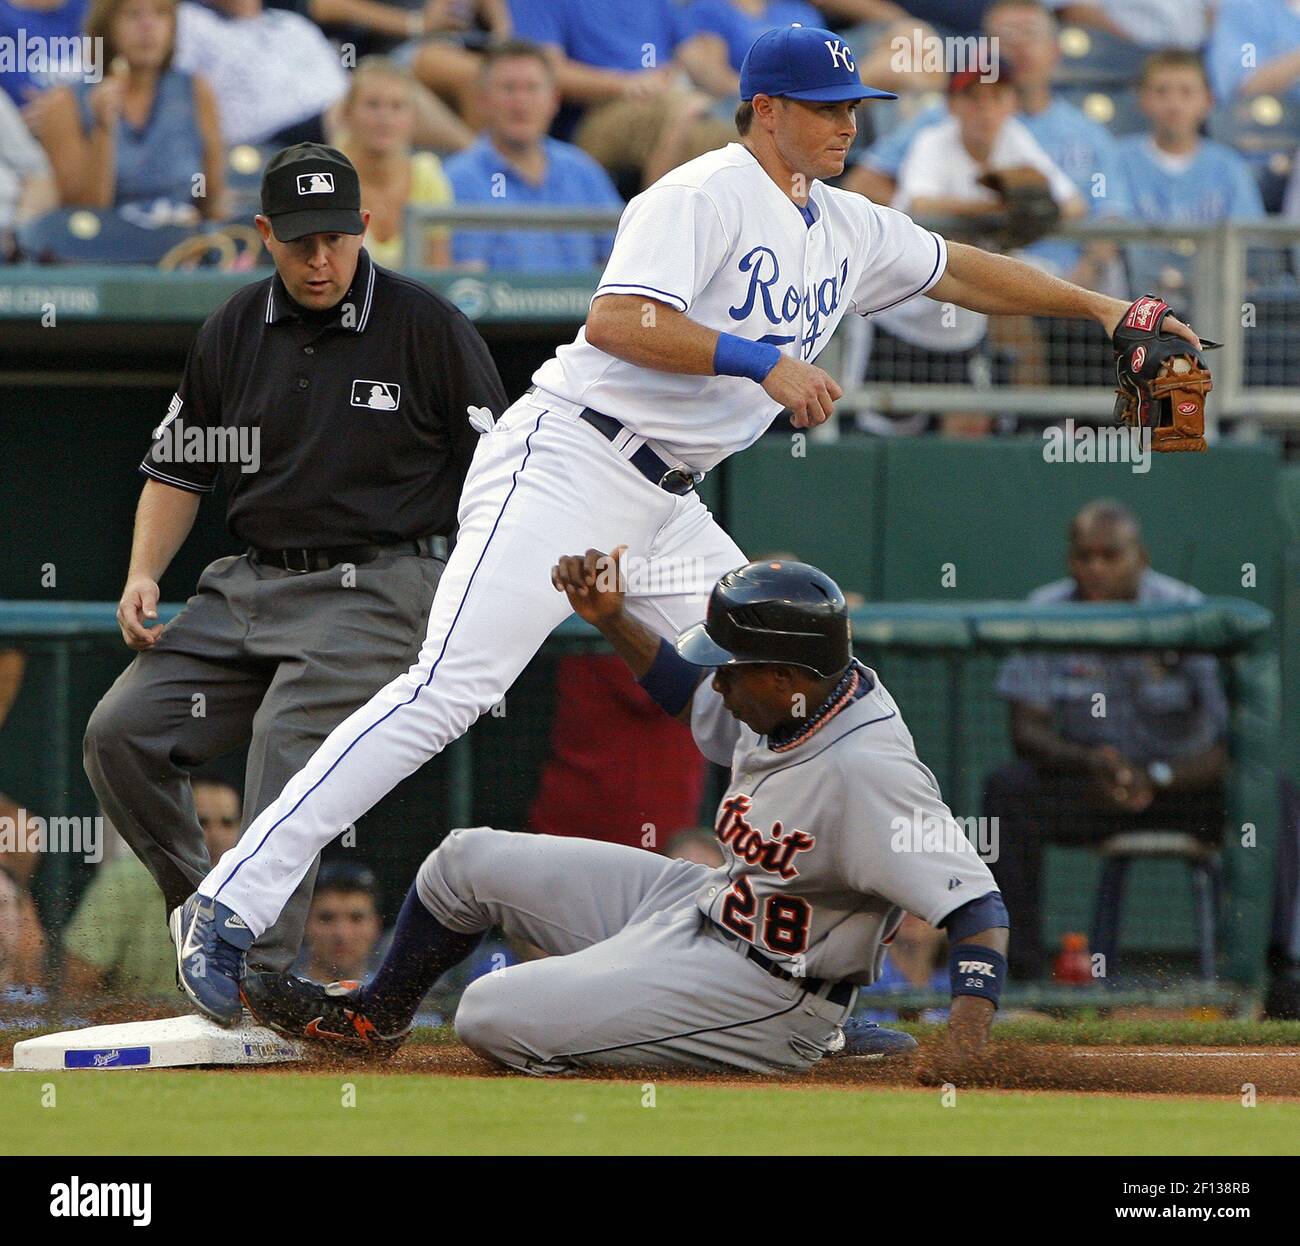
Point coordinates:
[[261, 656], [637, 975]]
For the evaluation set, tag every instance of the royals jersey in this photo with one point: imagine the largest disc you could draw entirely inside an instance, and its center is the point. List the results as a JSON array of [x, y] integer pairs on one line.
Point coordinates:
[[828, 842], [718, 240]]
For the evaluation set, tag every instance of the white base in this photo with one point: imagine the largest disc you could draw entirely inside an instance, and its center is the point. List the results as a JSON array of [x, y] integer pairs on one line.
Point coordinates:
[[171, 1043]]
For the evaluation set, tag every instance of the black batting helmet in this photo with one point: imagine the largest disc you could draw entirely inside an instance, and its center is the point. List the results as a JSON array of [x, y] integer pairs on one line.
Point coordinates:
[[772, 612]]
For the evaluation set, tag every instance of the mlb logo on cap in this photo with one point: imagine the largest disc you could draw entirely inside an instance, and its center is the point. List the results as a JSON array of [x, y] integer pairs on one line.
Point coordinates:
[[311, 189], [804, 63]]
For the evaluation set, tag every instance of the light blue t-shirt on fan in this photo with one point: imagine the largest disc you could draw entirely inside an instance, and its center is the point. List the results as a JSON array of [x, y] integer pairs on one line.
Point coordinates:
[[1216, 184]]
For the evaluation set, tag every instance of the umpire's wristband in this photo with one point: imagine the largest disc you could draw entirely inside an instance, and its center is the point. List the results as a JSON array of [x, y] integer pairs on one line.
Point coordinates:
[[738, 356], [977, 970]]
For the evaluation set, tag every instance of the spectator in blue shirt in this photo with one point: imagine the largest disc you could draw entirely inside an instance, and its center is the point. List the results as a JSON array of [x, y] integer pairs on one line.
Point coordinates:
[[515, 165], [722, 31], [618, 60], [606, 49], [1174, 175], [1254, 49]]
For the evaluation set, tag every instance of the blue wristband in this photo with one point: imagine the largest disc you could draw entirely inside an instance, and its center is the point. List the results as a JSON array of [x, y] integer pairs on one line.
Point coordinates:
[[977, 970], [988, 911], [738, 356], [671, 680]]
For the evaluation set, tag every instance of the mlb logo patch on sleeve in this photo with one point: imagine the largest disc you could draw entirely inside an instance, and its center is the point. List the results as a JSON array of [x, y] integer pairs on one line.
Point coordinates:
[[315, 183], [377, 395]]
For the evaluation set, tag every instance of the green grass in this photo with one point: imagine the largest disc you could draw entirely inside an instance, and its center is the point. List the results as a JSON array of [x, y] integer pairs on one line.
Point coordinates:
[[153, 1113]]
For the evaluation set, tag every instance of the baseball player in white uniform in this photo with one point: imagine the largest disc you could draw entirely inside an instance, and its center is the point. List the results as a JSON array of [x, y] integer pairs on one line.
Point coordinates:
[[830, 829], [726, 279]]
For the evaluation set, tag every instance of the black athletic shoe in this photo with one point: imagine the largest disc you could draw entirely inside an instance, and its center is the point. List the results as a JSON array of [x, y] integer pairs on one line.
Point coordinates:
[[301, 1008]]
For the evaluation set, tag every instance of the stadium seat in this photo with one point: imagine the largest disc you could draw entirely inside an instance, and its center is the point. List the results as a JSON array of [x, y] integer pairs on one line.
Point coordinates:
[[1116, 109], [1093, 58], [1259, 127], [244, 165], [1118, 852], [80, 236]]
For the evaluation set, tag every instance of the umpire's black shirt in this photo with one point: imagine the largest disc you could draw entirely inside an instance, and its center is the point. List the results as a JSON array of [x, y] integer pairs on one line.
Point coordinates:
[[362, 434]]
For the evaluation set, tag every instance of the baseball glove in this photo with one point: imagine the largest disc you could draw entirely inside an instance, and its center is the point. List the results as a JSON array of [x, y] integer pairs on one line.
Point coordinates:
[[1163, 378], [1027, 200]]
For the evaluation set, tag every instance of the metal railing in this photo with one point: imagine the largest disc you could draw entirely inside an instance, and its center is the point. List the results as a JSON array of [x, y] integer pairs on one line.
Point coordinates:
[[1256, 374]]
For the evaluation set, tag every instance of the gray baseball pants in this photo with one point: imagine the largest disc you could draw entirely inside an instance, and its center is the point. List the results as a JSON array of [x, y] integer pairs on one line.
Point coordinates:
[[263, 656], [637, 975]]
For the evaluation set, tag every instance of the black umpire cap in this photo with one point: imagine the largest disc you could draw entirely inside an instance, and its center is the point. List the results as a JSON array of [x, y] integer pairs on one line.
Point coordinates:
[[311, 189], [785, 613]]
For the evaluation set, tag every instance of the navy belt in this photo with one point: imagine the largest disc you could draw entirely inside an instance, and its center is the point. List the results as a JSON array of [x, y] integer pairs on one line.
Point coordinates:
[[646, 461], [672, 479], [305, 560], [840, 992]]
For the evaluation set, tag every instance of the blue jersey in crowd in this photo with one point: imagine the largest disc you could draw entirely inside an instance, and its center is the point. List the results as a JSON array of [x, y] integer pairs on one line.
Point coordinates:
[[573, 179], [1215, 185], [739, 29], [1269, 28], [627, 35]]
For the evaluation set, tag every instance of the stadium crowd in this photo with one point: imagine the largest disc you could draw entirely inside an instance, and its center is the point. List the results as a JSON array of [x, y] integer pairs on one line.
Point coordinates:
[[581, 103]]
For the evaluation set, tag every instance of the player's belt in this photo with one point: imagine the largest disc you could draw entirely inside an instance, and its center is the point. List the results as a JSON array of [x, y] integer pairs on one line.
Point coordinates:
[[304, 560], [840, 993], [645, 460]]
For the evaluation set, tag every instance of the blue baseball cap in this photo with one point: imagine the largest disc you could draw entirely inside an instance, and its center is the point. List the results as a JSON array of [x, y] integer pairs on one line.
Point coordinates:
[[804, 63]]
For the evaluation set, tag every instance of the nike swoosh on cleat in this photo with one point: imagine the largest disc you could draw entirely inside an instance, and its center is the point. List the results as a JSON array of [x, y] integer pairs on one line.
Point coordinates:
[[235, 922], [189, 947]]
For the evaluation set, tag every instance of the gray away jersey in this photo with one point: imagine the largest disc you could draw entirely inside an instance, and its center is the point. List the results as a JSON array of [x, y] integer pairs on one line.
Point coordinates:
[[826, 845]]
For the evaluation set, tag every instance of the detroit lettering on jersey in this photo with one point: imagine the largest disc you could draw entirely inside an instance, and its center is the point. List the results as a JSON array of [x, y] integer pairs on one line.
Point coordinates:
[[812, 874], [718, 240], [774, 853]]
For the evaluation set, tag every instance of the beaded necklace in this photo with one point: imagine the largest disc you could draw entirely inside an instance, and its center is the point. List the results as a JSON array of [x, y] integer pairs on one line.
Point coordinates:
[[844, 693]]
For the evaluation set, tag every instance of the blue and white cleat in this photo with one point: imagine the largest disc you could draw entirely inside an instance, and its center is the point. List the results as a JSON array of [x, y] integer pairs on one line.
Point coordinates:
[[868, 1040], [210, 944]]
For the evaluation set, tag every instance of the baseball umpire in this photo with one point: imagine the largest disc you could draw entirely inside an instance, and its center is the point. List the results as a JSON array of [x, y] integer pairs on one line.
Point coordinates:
[[659, 962], [331, 401]]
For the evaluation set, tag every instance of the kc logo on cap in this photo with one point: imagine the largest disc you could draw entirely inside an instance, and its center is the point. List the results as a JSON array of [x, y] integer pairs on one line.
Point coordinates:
[[315, 183], [804, 63], [841, 54]]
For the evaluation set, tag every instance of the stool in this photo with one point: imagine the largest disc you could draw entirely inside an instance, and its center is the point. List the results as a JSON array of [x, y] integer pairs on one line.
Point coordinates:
[[1117, 851]]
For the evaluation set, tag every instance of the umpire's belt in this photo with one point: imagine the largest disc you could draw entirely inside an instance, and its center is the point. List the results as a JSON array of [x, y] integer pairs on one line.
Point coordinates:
[[840, 993], [658, 472], [304, 560]]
